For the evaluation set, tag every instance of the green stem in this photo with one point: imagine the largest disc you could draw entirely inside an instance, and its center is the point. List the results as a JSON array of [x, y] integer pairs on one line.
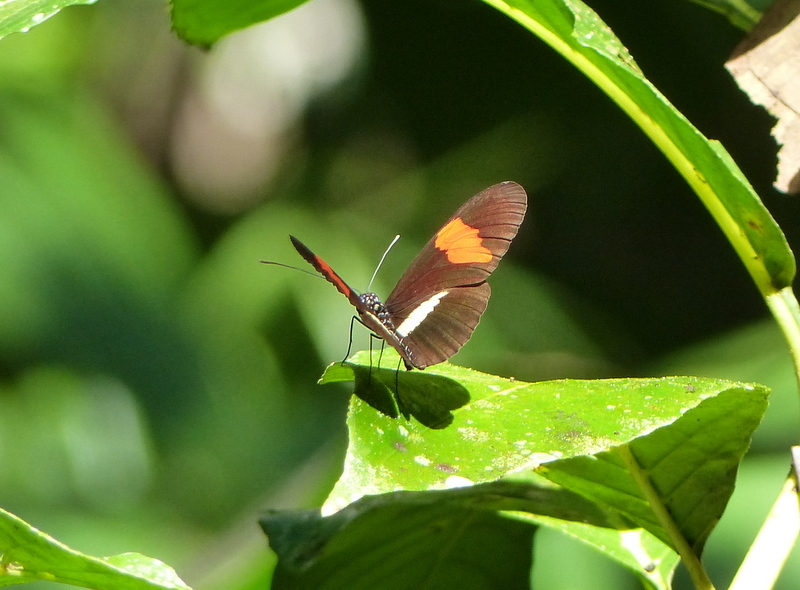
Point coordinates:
[[769, 552], [665, 139], [786, 311], [690, 559]]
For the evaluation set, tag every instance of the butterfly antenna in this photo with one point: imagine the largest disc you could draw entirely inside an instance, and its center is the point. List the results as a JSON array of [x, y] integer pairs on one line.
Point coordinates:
[[394, 241], [313, 274]]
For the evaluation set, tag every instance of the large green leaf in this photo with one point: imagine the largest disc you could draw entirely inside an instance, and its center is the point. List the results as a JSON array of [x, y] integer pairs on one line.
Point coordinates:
[[448, 539], [399, 543], [29, 555], [399, 539], [580, 36], [507, 425], [661, 453], [18, 16]]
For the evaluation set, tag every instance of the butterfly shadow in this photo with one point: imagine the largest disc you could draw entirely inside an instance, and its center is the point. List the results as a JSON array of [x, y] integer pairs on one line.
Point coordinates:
[[429, 398]]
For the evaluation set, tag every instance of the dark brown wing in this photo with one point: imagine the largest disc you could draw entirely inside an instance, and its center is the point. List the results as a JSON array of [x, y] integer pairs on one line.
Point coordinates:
[[448, 327], [438, 301]]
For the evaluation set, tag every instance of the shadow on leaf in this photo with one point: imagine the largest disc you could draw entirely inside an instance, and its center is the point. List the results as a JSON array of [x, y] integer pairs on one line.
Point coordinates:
[[428, 398]]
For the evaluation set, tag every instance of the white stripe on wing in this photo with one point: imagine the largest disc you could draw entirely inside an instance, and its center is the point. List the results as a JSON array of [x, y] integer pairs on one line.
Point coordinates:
[[422, 311]]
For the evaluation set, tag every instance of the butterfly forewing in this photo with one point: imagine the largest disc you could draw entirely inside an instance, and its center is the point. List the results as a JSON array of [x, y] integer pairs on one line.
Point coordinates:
[[325, 270], [442, 295], [496, 213]]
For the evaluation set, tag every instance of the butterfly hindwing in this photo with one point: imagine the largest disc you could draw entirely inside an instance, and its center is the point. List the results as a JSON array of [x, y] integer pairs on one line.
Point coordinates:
[[445, 330]]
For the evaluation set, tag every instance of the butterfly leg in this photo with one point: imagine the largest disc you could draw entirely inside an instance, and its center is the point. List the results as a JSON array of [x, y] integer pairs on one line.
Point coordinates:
[[350, 341], [397, 388], [383, 346], [371, 338]]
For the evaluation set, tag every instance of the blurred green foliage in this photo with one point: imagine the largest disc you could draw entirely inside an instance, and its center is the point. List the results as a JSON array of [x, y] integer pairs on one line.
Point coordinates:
[[159, 385]]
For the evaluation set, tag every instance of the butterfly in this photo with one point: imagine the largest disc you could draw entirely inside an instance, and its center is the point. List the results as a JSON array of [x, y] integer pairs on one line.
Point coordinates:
[[437, 303]]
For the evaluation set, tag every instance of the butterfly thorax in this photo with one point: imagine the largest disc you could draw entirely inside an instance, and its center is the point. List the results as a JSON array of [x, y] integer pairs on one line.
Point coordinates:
[[376, 317], [375, 306]]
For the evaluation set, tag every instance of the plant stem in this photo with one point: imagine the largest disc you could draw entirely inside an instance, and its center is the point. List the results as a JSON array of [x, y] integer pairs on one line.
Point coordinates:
[[689, 558], [784, 307], [770, 550]]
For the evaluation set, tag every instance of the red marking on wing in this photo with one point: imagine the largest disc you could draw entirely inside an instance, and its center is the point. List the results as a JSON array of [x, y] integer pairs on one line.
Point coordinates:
[[461, 243], [329, 274]]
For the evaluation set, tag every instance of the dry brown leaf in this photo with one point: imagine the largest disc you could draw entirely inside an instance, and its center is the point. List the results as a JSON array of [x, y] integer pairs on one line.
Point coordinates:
[[766, 65]]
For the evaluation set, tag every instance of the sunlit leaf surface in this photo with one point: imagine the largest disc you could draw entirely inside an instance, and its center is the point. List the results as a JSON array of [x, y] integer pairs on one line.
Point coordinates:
[[508, 426], [19, 16]]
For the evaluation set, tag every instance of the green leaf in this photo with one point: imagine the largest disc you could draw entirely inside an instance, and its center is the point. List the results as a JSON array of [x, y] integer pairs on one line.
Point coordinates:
[[579, 35], [687, 469], [204, 22], [656, 454], [402, 538], [19, 16], [740, 12], [635, 549], [29, 554], [507, 425]]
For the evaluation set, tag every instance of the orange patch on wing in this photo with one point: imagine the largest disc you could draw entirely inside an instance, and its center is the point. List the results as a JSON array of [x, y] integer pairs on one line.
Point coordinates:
[[461, 243]]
